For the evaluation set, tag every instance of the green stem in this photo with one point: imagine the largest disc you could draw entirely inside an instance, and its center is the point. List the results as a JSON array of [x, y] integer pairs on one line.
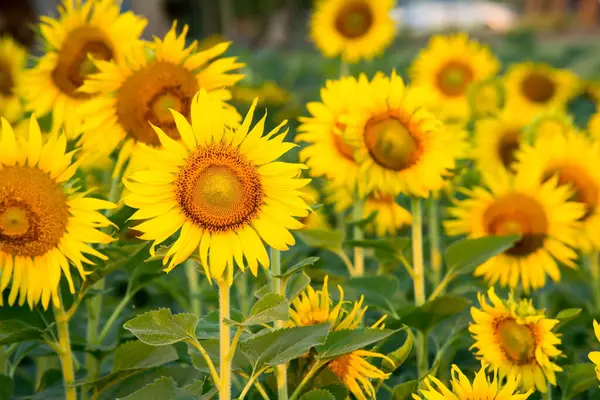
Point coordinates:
[[442, 286], [4, 360], [242, 290], [281, 370], [344, 69], [65, 354], [249, 384], [224, 341], [313, 370], [434, 239], [342, 254], [113, 317], [594, 265], [193, 282], [94, 306], [211, 366], [357, 234], [234, 343], [419, 280]]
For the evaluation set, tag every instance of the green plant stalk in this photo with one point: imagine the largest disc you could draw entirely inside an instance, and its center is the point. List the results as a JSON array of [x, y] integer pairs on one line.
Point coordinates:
[[344, 69], [251, 381], [4, 360], [113, 317], [594, 266], [224, 341], [211, 366], [193, 282], [419, 280], [241, 285], [281, 370], [357, 234], [433, 227], [65, 354], [313, 370]]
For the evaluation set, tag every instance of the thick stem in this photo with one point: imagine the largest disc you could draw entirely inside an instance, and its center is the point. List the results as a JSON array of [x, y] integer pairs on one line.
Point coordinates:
[[224, 341], [282, 389], [64, 353], [419, 280], [433, 226], [193, 287], [357, 234]]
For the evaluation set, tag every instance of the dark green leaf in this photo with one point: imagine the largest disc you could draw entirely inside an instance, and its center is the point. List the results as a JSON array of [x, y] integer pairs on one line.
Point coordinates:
[[13, 331], [378, 290], [161, 389], [160, 327], [318, 394], [567, 315], [433, 312], [346, 341], [208, 327], [323, 239], [297, 267], [263, 290], [6, 387], [296, 284], [283, 345], [463, 256], [400, 354], [124, 256], [137, 355], [404, 391], [269, 308], [577, 378]]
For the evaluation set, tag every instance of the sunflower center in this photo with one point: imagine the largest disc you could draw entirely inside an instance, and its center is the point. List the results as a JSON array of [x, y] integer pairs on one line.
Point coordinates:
[[340, 366], [147, 95], [33, 212], [219, 189], [73, 64], [454, 78], [517, 341], [516, 213], [6, 79], [508, 146], [354, 19], [343, 148], [390, 143], [538, 88], [584, 187]]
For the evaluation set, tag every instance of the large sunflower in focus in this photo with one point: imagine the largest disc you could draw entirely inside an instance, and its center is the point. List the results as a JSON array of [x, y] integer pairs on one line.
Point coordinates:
[[516, 340], [352, 29], [399, 145], [141, 90], [13, 58], [221, 189], [45, 224], [95, 28], [540, 212], [447, 68], [573, 159], [533, 87], [480, 389]]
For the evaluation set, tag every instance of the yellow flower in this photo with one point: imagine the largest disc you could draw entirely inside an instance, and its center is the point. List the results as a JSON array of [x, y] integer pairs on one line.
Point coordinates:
[[221, 189], [573, 159], [480, 389], [93, 29], [516, 340], [594, 126], [447, 68], [143, 88], [540, 212], [486, 98], [328, 154], [355, 371], [13, 58], [549, 123], [534, 87], [45, 224], [594, 356], [352, 29], [399, 145]]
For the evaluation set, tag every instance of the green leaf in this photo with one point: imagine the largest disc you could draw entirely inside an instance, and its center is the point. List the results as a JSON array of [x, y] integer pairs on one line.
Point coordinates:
[[433, 312], [318, 394], [464, 255], [160, 389], [296, 284], [400, 354], [208, 327], [346, 341], [362, 222], [137, 355], [269, 308], [13, 331], [6, 387], [387, 250], [124, 256], [161, 328], [323, 239], [577, 378], [283, 345], [567, 315], [405, 390], [297, 267], [378, 290]]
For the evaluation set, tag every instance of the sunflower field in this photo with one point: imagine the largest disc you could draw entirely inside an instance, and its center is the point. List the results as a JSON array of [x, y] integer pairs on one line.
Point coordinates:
[[368, 217]]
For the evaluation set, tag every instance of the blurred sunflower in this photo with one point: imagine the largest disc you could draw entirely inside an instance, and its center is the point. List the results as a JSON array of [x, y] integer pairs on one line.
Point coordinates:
[[152, 80], [480, 389], [328, 154], [221, 188], [486, 98], [92, 29], [352, 29], [594, 356], [573, 159], [540, 212], [45, 224], [497, 140], [534, 87], [594, 126], [399, 145], [549, 123], [447, 68], [516, 340], [13, 58]]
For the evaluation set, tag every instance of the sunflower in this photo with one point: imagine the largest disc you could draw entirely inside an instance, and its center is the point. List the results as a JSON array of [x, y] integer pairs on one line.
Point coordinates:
[[549, 123], [540, 212], [13, 58], [497, 140], [316, 219], [573, 159], [516, 340], [447, 68], [152, 80], [327, 153], [94, 29], [355, 371], [486, 98], [594, 356], [221, 189], [535, 87], [594, 126], [480, 389], [399, 145], [352, 29], [45, 224]]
